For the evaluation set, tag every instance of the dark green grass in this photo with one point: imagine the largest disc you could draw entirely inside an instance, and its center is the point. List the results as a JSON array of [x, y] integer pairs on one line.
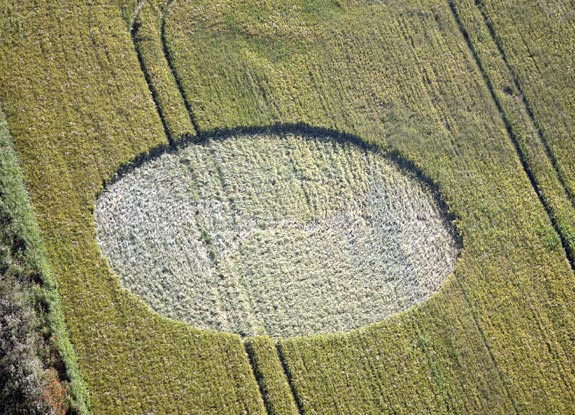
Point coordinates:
[[38, 368]]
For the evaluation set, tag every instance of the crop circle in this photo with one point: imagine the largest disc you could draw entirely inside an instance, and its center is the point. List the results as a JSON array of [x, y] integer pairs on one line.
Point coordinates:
[[271, 234]]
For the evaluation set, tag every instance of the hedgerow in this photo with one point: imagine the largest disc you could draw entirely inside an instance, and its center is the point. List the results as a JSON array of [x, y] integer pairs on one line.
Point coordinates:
[[38, 368]]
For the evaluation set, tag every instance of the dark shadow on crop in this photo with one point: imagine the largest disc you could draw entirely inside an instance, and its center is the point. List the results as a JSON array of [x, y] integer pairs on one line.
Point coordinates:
[[135, 33], [305, 131]]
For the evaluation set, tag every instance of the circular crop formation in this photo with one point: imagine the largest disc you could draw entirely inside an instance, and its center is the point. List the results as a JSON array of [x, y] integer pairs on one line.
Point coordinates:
[[281, 235]]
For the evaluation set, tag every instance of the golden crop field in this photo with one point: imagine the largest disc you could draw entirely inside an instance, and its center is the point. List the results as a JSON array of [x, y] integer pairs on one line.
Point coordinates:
[[298, 150]]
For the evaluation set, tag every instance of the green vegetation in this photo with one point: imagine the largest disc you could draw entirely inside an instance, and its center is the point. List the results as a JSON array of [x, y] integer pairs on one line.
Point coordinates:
[[271, 234], [70, 138], [272, 380], [38, 369], [497, 337], [538, 160], [146, 32], [536, 40], [406, 81]]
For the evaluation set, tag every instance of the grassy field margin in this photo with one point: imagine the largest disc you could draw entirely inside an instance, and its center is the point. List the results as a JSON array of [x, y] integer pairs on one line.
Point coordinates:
[[59, 374], [497, 337], [78, 108]]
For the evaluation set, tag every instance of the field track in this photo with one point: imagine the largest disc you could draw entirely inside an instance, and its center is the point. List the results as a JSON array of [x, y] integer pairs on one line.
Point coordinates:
[[440, 84], [536, 155]]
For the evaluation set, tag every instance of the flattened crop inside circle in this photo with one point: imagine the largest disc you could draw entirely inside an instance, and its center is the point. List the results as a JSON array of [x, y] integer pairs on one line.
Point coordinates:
[[279, 235]]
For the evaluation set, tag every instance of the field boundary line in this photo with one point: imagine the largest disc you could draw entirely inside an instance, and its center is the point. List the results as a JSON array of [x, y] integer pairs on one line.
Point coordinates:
[[522, 159], [548, 151]]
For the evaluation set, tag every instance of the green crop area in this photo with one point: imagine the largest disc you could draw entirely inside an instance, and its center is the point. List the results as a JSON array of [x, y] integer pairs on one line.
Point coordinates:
[[301, 207], [535, 40]]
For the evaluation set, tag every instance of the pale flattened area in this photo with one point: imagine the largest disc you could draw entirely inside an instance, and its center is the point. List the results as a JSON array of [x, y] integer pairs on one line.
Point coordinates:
[[278, 235]]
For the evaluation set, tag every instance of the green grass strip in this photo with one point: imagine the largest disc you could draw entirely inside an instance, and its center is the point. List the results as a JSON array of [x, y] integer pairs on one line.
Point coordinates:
[[29, 254]]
